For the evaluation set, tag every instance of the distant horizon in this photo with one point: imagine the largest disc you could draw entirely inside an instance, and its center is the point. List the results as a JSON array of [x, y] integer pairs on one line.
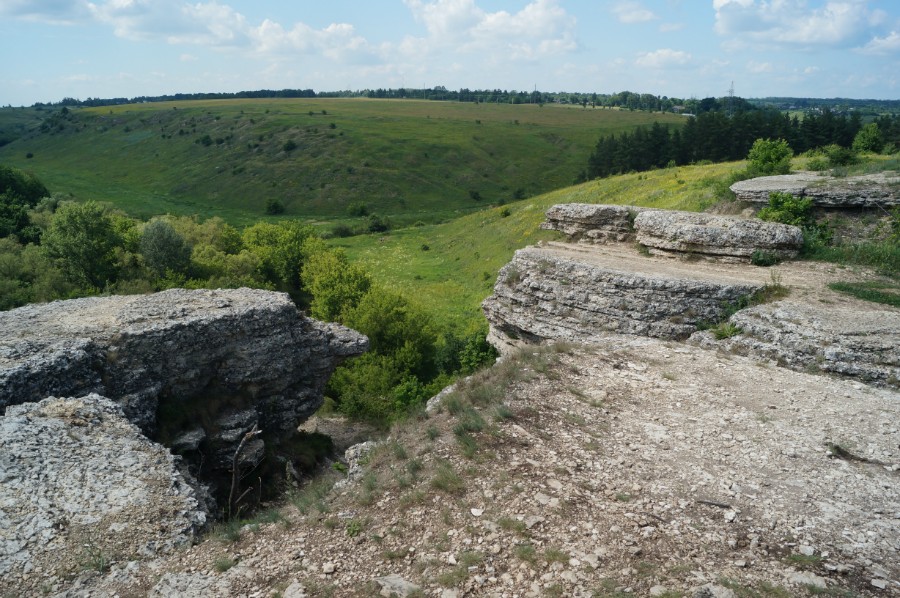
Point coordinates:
[[698, 48], [366, 89]]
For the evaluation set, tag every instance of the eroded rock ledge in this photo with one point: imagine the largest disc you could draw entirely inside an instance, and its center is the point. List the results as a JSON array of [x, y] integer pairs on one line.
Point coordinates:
[[557, 293], [868, 190], [673, 232], [194, 369]]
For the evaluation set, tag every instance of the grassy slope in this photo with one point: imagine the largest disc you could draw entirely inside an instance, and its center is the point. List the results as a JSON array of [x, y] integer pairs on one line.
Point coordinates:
[[409, 160], [460, 266]]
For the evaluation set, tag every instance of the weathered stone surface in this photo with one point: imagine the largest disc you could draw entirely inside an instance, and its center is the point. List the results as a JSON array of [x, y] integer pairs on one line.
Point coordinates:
[[717, 236], [868, 190], [594, 223], [220, 360], [838, 339], [80, 486], [551, 293]]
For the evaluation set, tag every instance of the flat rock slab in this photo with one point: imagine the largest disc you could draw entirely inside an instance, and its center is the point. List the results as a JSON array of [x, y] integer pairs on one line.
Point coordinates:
[[135, 349], [868, 190], [80, 486], [559, 294], [834, 338], [718, 236]]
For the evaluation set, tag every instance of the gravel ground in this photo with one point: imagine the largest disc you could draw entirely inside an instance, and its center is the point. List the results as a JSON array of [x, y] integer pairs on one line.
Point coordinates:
[[634, 467]]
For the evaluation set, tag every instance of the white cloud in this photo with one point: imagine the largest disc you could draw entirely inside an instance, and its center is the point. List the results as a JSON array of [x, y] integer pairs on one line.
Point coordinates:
[[811, 70], [889, 44], [541, 28], [667, 27], [792, 22], [188, 58], [759, 67], [632, 12], [664, 58]]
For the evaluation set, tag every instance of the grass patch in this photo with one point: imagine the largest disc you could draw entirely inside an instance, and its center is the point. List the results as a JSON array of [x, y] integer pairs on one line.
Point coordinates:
[[447, 480], [312, 496], [887, 293], [526, 552], [883, 256], [223, 563], [553, 554], [725, 330]]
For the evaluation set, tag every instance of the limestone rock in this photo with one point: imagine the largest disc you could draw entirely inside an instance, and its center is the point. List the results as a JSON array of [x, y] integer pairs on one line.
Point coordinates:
[[395, 586], [80, 486], [868, 190], [218, 360], [718, 236], [594, 223], [548, 294], [834, 338]]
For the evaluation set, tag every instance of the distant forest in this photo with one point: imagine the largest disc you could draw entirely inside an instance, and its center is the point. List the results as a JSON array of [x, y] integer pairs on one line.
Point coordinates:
[[624, 99], [719, 137]]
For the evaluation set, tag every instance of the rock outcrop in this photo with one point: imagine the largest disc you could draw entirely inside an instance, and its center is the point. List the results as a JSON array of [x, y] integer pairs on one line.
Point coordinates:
[[868, 190], [716, 236], [592, 223], [80, 487], [556, 293], [832, 338], [194, 369], [674, 232]]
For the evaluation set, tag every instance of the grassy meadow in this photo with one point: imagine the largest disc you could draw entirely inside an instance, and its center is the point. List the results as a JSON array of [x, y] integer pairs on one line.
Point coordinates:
[[450, 268], [406, 160]]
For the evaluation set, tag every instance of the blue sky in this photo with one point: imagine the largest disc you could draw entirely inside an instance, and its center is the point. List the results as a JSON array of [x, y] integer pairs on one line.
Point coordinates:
[[684, 48]]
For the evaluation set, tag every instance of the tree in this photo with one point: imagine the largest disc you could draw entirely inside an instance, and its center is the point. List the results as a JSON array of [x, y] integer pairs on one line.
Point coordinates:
[[164, 249], [280, 249], [82, 240], [770, 156], [869, 139], [19, 191], [335, 284]]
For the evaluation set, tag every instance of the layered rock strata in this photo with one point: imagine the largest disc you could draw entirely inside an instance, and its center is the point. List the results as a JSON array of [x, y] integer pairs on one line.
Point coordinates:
[[833, 338], [81, 487], [556, 294], [592, 223], [195, 369], [717, 236], [868, 190]]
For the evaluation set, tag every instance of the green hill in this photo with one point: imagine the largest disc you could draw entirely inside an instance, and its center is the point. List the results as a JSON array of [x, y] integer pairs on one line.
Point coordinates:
[[404, 159], [451, 267]]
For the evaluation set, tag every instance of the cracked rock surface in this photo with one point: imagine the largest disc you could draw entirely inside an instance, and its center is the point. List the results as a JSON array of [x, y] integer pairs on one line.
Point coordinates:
[[80, 487]]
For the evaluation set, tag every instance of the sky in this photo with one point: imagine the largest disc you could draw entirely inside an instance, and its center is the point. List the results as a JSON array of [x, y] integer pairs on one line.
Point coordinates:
[[54, 49]]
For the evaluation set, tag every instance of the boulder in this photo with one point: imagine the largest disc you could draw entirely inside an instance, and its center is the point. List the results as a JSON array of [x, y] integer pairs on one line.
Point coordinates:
[[592, 223], [194, 369], [82, 487], [549, 294], [862, 191], [716, 236]]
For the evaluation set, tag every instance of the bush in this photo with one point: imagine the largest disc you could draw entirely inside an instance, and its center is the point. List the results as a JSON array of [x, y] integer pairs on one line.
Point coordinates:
[[82, 240], [770, 156], [869, 139], [274, 207], [763, 258], [289, 145], [839, 156], [787, 209]]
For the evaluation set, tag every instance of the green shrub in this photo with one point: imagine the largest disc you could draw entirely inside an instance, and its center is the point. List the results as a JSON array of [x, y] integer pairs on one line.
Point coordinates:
[[763, 258], [787, 209], [839, 156], [868, 139], [770, 156]]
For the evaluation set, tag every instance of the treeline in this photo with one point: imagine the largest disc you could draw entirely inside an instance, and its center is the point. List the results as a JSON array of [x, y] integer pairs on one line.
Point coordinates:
[[718, 137], [51, 248]]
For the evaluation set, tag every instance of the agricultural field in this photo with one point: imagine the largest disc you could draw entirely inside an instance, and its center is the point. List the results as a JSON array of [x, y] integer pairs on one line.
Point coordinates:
[[327, 161]]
